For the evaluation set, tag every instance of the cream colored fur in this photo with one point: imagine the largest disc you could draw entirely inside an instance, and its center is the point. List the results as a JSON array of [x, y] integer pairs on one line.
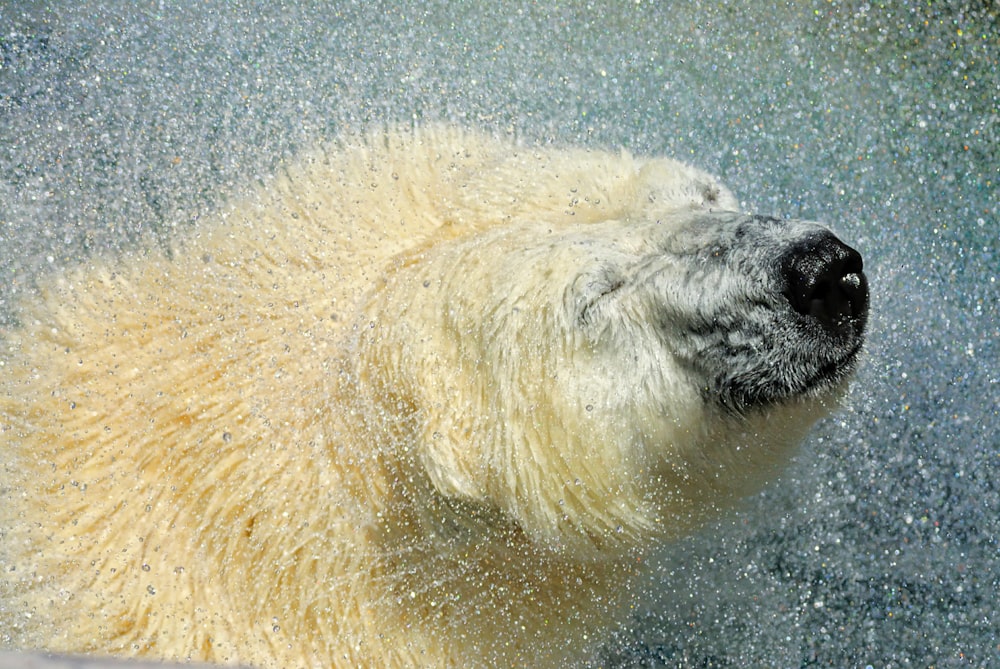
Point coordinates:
[[348, 423]]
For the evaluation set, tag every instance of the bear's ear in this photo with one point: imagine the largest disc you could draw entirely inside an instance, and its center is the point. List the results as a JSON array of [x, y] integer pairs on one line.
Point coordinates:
[[669, 184]]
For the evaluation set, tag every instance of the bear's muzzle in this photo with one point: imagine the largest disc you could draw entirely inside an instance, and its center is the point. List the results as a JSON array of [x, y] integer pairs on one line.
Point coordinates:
[[825, 280]]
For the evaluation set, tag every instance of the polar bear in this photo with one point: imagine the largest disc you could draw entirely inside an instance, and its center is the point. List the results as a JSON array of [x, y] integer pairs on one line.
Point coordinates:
[[425, 400]]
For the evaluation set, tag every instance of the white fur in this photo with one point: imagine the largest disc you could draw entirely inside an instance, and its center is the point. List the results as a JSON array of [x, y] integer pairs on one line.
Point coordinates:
[[356, 422]]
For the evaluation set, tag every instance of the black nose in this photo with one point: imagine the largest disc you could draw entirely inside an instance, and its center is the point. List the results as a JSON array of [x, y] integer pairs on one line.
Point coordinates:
[[824, 279]]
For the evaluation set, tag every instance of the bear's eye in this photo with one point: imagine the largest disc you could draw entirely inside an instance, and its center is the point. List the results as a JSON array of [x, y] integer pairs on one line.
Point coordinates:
[[588, 294]]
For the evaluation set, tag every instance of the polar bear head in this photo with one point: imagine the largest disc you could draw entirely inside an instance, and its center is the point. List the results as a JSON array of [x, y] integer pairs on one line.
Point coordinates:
[[599, 382]]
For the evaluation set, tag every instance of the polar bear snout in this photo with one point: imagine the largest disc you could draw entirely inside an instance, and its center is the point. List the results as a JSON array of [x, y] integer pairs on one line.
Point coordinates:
[[781, 311], [824, 280]]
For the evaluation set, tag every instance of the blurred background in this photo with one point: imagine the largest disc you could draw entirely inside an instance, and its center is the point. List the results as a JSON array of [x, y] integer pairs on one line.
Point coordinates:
[[879, 547]]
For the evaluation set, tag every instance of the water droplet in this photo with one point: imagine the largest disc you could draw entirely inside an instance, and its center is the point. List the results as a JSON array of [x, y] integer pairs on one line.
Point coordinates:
[[146, 567], [227, 437]]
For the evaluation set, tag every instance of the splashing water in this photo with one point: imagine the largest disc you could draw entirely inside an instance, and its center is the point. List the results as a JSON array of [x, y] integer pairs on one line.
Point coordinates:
[[879, 546]]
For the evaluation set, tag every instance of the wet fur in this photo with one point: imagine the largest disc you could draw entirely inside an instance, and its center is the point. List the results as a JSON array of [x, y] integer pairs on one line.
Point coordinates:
[[425, 400]]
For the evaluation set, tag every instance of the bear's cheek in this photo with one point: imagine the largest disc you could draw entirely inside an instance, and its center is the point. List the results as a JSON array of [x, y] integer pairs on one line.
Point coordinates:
[[636, 396]]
